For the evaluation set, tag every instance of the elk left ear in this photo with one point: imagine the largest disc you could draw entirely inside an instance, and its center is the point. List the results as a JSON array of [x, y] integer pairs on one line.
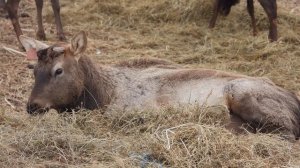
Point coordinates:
[[32, 46], [79, 43]]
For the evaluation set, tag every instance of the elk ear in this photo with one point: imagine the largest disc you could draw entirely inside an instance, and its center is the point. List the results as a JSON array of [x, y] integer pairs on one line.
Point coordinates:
[[32, 46], [78, 43]]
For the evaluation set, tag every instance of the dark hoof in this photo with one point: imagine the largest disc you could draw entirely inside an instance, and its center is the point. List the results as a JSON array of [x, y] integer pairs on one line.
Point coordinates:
[[21, 48], [211, 26], [61, 37], [273, 38], [24, 14], [254, 33], [41, 36], [273, 35], [3, 14]]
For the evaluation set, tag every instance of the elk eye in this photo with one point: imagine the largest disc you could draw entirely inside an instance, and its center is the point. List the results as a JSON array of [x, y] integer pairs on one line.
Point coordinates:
[[58, 71]]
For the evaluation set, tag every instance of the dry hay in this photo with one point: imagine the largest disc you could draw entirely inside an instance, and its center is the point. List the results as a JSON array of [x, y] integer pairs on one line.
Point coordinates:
[[185, 137]]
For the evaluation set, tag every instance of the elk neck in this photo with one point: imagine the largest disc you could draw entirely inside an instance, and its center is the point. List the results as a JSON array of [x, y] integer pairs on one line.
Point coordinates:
[[99, 87]]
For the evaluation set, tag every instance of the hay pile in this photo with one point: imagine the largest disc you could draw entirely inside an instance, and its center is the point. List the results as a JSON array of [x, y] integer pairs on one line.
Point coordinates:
[[186, 137]]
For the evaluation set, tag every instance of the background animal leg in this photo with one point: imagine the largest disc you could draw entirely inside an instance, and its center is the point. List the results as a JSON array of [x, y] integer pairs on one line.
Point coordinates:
[[40, 33], [250, 8], [2, 3], [216, 10], [59, 27], [12, 9], [270, 7], [3, 12]]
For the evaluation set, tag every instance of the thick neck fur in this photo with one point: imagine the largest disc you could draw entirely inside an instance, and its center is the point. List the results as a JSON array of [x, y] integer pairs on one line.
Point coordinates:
[[98, 87]]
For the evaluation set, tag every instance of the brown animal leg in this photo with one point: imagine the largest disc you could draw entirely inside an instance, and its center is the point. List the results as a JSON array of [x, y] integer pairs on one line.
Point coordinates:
[[264, 106], [59, 28], [2, 9], [2, 3], [40, 33], [216, 10], [270, 7], [238, 126], [250, 8], [12, 9], [256, 114]]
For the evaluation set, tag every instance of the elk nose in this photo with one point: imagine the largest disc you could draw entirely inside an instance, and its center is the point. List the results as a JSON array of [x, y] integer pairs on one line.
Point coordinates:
[[37, 106], [32, 108]]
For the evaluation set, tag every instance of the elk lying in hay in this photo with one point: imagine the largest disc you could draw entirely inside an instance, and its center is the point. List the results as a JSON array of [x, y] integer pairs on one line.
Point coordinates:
[[11, 6], [270, 6], [67, 79]]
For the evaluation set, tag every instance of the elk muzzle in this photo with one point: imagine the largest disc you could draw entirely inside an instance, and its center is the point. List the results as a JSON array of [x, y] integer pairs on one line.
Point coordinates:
[[37, 107]]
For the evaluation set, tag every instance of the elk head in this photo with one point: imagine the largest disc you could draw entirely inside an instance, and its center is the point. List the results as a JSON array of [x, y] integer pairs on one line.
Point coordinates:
[[59, 81]]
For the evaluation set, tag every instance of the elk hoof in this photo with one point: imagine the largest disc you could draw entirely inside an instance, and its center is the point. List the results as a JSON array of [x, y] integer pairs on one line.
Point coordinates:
[[24, 14], [273, 35], [3, 13], [21, 47], [272, 38], [254, 33], [61, 37], [211, 26], [40, 35]]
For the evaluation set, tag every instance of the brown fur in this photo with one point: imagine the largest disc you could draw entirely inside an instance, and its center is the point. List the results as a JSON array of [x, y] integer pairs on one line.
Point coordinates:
[[99, 88], [194, 74], [146, 63], [96, 88], [277, 111]]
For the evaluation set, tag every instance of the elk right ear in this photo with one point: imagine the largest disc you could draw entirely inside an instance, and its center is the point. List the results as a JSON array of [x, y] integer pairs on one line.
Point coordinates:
[[79, 43], [32, 46]]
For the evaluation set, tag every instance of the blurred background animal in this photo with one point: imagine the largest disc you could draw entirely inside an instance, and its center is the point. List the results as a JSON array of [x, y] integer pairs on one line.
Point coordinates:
[[11, 6], [270, 6]]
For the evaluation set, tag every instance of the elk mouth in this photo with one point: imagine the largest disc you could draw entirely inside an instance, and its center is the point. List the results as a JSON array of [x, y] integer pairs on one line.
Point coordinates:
[[62, 109], [34, 109]]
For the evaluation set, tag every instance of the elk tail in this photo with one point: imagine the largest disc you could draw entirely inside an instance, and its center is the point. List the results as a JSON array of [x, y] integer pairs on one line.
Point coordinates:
[[225, 6]]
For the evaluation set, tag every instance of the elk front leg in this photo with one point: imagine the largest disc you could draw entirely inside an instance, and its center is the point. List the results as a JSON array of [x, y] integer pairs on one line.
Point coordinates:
[[2, 4], [270, 7], [250, 8], [215, 14], [39, 8], [3, 12], [59, 27], [12, 9]]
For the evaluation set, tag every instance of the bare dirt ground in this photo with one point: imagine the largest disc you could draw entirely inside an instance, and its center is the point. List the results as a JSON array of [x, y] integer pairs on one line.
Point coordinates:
[[175, 30]]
